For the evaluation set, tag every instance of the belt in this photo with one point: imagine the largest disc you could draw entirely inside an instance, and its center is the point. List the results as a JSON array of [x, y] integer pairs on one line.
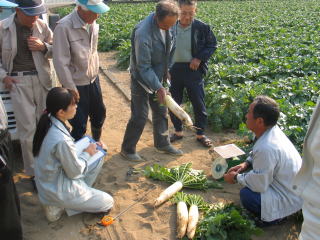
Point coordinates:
[[25, 73]]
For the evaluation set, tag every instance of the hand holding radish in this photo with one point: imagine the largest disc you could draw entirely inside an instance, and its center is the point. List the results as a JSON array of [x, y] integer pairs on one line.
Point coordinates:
[[161, 93]]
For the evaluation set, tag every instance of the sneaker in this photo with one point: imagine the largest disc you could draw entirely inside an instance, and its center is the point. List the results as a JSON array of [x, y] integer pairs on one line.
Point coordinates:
[[169, 149], [134, 157], [53, 213]]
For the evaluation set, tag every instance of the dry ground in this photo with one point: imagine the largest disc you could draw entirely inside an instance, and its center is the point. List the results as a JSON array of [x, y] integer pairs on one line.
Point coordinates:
[[142, 221]]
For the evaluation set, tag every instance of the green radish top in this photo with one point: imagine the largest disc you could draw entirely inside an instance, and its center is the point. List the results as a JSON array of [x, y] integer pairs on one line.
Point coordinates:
[[189, 177], [191, 199]]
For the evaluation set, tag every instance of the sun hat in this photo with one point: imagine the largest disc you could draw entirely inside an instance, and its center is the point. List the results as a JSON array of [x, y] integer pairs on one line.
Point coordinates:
[[32, 7], [4, 3], [96, 6]]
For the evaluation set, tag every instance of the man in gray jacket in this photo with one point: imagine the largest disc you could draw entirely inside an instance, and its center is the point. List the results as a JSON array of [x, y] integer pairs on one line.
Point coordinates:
[[152, 49], [274, 160]]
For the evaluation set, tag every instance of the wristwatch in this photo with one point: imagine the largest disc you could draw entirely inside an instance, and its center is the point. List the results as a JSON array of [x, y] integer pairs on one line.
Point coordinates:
[[235, 178]]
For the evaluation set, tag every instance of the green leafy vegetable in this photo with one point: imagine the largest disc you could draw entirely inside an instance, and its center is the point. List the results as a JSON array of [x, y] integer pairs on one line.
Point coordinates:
[[189, 177], [226, 222]]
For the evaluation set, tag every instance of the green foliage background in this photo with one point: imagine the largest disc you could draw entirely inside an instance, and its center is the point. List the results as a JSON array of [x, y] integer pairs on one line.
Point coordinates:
[[265, 47]]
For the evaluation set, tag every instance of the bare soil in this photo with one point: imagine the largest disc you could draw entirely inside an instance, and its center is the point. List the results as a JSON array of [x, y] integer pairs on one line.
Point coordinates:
[[143, 221]]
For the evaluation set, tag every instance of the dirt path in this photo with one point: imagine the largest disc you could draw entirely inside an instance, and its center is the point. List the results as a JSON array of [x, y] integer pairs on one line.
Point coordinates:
[[142, 221]]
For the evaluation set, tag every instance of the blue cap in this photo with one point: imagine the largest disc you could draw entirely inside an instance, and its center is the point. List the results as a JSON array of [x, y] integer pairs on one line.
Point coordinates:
[[4, 3], [96, 6], [32, 7]]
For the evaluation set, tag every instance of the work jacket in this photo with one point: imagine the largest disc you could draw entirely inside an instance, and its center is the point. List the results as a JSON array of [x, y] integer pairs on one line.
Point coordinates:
[[307, 181], [148, 54], [75, 55], [203, 43], [275, 162], [8, 49]]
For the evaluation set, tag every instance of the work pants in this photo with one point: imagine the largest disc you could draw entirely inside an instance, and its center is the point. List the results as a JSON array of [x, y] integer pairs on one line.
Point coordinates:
[[28, 98], [251, 201], [182, 77], [98, 202], [139, 115], [90, 105]]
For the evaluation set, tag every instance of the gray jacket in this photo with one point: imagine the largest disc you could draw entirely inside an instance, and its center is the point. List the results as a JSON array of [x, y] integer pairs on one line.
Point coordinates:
[[148, 54], [75, 54], [8, 49]]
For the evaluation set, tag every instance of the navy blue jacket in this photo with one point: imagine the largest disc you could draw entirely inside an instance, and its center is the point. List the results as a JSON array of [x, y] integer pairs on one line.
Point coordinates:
[[203, 43]]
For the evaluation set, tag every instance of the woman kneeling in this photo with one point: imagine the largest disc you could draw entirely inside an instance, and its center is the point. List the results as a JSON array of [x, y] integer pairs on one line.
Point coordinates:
[[64, 179]]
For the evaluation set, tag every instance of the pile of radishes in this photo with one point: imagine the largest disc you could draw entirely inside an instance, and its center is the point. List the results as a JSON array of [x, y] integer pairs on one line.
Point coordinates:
[[187, 221]]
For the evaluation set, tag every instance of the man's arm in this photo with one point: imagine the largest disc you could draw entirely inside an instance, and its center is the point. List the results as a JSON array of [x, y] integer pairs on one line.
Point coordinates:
[[48, 42], [143, 60], [210, 45], [3, 72], [62, 57], [261, 176], [7, 80]]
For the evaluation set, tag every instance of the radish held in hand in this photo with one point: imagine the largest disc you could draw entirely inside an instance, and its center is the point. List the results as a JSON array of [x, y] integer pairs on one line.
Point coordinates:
[[168, 193], [178, 111]]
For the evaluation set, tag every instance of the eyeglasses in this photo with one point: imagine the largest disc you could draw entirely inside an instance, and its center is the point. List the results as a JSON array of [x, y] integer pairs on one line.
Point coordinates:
[[191, 14]]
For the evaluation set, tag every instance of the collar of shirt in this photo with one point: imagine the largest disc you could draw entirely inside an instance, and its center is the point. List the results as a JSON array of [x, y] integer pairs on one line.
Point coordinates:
[[184, 28], [60, 125], [84, 25]]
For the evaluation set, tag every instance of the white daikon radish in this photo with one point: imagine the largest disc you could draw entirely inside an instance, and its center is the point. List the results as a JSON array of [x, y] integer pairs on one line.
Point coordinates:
[[178, 111], [182, 219], [168, 193], [192, 221], [180, 199]]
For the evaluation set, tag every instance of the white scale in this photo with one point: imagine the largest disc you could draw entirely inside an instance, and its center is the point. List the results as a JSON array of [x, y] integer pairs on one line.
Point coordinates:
[[220, 165]]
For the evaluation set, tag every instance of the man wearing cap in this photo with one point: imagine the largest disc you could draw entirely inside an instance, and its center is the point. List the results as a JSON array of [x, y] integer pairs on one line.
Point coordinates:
[[25, 45], [153, 44], [6, 9], [76, 61]]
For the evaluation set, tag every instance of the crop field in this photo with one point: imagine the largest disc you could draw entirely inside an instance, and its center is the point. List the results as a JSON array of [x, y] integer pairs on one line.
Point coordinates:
[[265, 47]]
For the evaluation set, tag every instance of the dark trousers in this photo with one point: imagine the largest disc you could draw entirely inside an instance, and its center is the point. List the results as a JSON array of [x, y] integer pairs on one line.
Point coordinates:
[[252, 202], [182, 77], [139, 115], [10, 224], [90, 105]]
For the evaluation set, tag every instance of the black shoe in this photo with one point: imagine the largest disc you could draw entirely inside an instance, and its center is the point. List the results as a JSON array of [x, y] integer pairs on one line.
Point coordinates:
[[33, 182], [261, 224]]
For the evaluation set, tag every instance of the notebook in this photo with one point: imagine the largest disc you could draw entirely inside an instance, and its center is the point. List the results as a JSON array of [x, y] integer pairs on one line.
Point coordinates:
[[82, 144]]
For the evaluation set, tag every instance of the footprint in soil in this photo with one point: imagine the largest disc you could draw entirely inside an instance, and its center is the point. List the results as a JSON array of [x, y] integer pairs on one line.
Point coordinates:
[[111, 179], [148, 213], [56, 225], [147, 226]]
